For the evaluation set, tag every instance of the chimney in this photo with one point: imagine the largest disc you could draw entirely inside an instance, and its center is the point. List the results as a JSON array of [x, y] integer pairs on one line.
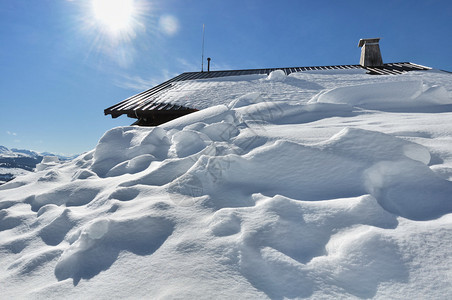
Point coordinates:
[[370, 53], [208, 64]]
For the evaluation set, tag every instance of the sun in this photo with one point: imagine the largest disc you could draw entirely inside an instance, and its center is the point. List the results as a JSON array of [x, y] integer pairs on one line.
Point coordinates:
[[112, 27], [114, 16]]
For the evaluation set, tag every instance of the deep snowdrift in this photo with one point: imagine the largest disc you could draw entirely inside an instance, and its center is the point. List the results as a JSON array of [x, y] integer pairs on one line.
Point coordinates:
[[318, 184]]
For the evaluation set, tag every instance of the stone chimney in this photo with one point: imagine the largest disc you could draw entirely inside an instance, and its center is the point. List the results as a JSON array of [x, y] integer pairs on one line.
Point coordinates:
[[370, 53]]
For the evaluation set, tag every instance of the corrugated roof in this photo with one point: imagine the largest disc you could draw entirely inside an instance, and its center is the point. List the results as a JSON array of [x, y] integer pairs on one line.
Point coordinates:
[[146, 106]]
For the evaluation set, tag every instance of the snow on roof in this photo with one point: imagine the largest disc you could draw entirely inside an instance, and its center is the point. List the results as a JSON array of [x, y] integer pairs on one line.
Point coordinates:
[[172, 99], [320, 184]]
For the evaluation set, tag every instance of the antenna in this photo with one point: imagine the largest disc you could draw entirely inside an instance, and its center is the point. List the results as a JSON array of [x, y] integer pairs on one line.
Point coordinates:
[[202, 55]]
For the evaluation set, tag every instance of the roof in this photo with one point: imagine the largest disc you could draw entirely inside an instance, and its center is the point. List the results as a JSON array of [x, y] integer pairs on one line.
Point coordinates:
[[151, 110]]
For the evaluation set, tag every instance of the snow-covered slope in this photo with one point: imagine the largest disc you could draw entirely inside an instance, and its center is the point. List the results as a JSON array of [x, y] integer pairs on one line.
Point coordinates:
[[319, 184]]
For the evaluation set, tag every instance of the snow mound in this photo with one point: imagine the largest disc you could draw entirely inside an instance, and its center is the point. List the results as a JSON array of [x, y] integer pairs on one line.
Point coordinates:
[[99, 243], [263, 195], [277, 75], [187, 142], [286, 267], [129, 149], [47, 162], [245, 100], [351, 164], [387, 95]]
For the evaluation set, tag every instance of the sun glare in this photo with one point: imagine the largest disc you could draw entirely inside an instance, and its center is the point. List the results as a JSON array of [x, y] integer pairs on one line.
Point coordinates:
[[115, 16], [113, 26]]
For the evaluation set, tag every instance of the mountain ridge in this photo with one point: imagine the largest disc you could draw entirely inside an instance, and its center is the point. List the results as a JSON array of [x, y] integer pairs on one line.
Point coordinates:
[[15, 162]]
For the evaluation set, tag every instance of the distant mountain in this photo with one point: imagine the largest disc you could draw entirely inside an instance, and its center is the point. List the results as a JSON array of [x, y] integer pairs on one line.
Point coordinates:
[[15, 162], [60, 157], [3, 149], [26, 152]]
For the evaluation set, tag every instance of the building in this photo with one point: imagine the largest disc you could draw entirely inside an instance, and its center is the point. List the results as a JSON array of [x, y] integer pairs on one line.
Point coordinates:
[[155, 106]]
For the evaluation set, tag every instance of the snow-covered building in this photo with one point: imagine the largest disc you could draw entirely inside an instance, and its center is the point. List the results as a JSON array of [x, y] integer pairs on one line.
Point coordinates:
[[325, 183], [170, 99]]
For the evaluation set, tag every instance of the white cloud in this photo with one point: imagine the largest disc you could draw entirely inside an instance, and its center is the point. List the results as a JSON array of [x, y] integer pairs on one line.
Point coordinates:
[[138, 83], [188, 66], [169, 24], [11, 133]]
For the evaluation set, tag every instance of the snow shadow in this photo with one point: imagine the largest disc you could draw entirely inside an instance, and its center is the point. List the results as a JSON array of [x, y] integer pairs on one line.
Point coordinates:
[[72, 194], [7, 204], [285, 113], [8, 221], [55, 231], [282, 248], [410, 189], [100, 243], [29, 263], [315, 112], [303, 84], [16, 245], [125, 194], [420, 109], [405, 96]]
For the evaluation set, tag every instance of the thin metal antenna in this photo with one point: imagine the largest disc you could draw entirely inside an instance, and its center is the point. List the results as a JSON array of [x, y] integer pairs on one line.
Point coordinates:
[[202, 56]]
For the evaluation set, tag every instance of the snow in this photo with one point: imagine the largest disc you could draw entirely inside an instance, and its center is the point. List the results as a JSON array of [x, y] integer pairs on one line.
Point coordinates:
[[277, 75], [387, 95], [325, 184], [47, 162]]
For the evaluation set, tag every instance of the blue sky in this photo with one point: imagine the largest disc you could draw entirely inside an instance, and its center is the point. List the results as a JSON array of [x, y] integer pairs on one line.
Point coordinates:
[[61, 65]]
